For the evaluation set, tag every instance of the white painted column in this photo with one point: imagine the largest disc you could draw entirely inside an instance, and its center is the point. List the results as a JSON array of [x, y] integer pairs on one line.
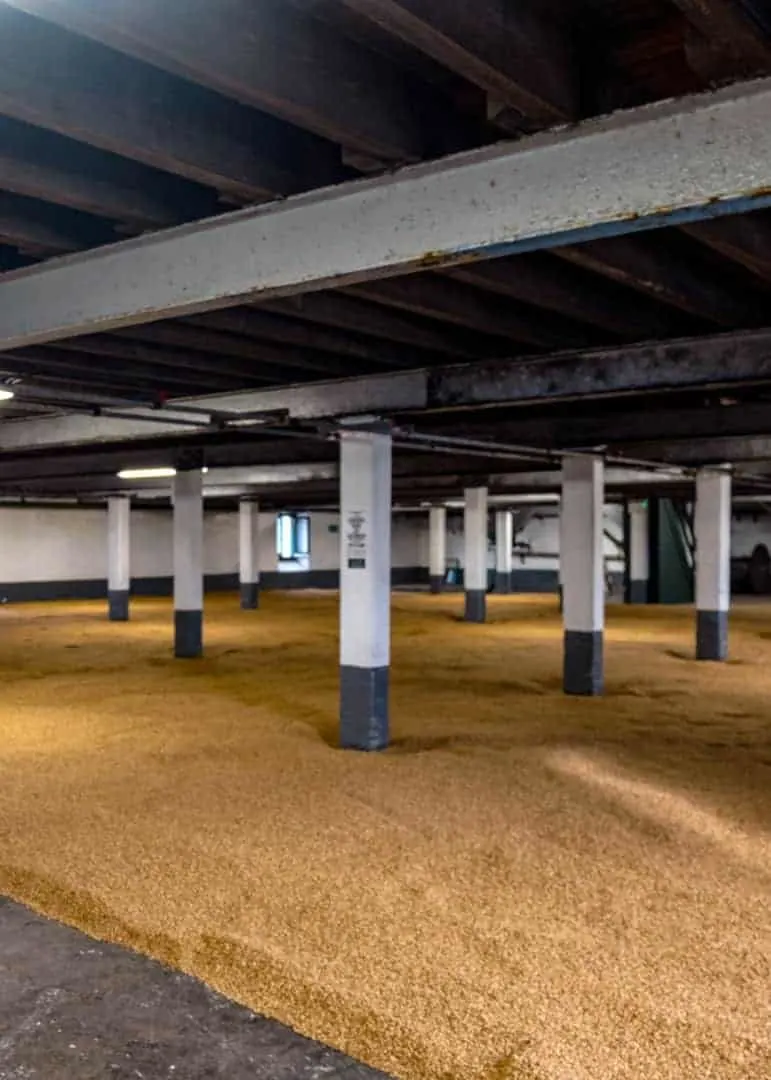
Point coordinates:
[[118, 557], [249, 553], [188, 563], [437, 544], [475, 558], [638, 555], [561, 558], [365, 585], [712, 527], [504, 550], [583, 573]]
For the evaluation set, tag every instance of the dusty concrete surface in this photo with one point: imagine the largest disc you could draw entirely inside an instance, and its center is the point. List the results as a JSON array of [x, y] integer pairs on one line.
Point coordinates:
[[72, 1008], [524, 886]]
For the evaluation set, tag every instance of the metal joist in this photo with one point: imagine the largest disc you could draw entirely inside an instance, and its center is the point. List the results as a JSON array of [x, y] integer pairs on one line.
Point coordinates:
[[688, 364], [673, 162]]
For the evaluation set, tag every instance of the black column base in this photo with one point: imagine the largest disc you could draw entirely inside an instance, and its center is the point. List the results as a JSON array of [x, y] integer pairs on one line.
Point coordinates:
[[711, 635], [118, 605], [250, 595], [363, 708], [637, 592], [436, 584], [188, 634], [502, 583], [583, 663], [476, 605]]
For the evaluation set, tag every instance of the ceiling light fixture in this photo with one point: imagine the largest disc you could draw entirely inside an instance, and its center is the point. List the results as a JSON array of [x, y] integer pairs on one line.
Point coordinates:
[[160, 473]]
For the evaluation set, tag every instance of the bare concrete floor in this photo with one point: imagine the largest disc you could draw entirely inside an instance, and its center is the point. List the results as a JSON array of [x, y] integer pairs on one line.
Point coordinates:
[[72, 1008]]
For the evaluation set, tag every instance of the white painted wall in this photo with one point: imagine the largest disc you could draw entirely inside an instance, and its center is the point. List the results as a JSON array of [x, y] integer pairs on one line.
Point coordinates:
[[748, 529], [71, 545], [536, 539]]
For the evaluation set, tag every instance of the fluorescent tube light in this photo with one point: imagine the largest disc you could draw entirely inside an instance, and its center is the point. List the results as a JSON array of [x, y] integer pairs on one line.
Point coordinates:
[[162, 472], [159, 473]]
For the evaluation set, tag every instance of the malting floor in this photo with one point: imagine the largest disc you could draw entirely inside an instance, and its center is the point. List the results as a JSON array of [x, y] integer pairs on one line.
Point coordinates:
[[525, 887]]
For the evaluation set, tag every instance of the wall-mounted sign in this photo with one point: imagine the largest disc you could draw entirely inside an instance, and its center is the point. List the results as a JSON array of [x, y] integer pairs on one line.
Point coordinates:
[[356, 540]]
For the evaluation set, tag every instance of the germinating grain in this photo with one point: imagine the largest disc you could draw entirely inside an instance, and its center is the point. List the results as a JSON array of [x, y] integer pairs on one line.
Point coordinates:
[[524, 886]]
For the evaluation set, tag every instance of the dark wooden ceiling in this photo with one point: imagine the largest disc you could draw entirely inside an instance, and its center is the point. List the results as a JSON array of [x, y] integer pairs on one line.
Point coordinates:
[[117, 118]]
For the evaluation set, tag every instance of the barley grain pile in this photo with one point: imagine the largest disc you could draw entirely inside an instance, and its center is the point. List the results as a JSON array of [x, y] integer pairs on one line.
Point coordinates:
[[525, 887]]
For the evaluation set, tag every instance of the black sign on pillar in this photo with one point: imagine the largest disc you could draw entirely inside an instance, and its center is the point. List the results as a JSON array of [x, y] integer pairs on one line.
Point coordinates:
[[356, 540]]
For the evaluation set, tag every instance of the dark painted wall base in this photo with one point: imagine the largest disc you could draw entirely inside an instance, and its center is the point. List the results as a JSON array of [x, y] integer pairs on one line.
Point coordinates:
[[118, 605], [502, 583], [22, 591], [711, 635], [476, 606], [583, 660], [522, 581], [250, 595], [19, 592], [637, 592], [401, 576], [436, 584], [363, 708], [164, 586], [188, 634]]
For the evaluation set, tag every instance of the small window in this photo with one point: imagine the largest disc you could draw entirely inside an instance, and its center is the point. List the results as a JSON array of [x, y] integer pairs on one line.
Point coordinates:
[[293, 537], [302, 535]]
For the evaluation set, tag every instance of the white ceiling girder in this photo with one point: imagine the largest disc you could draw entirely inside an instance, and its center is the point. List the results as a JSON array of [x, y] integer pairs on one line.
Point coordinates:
[[267, 475], [675, 161], [313, 401]]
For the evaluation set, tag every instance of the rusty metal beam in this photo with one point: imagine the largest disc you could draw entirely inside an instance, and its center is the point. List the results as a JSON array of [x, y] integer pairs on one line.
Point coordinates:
[[278, 360], [218, 371], [266, 55], [744, 238], [42, 165], [344, 312], [267, 326], [687, 365], [109, 101], [519, 53], [655, 266], [40, 229], [738, 27], [547, 283], [454, 302]]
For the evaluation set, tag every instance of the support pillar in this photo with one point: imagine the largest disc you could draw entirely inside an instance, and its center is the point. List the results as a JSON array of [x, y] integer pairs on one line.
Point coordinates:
[[249, 553], [583, 573], [475, 561], [188, 563], [504, 550], [118, 557], [712, 526], [638, 570], [561, 558], [437, 542], [365, 586]]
